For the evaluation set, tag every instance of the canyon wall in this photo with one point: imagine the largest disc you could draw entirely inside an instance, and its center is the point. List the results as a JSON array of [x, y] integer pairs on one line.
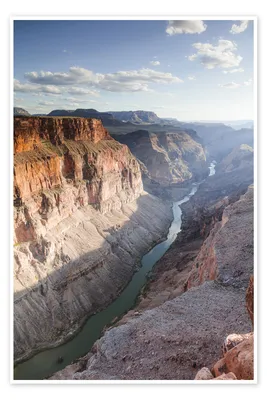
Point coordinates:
[[81, 223], [166, 158]]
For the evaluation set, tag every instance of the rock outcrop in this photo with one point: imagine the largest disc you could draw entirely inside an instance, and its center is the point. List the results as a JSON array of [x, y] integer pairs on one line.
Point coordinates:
[[81, 223], [222, 256], [239, 360]]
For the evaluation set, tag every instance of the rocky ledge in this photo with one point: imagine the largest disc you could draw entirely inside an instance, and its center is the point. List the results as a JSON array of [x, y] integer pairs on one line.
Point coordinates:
[[81, 223]]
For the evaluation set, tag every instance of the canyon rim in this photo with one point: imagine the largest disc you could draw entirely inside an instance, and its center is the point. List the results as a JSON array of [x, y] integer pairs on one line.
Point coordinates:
[[133, 200]]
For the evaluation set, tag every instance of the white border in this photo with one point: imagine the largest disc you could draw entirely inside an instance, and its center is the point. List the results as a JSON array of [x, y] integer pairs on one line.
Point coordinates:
[[136, 382]]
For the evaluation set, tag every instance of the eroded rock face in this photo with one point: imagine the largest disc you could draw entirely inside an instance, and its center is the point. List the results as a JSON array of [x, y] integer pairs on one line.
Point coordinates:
[[81, 223], [168, 158], [224, 257]]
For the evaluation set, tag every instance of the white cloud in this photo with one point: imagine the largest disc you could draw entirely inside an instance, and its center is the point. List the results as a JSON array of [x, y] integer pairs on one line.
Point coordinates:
[[192, 57], [155, 63], [234, 85], [191, 26], [135, 80], [74, 104], [230, 85], [192, 78], [121, 81], [239, 28], [73, 76], [45, 103], [232, 71], [79, 91], [64, 51], [28, 87], [223, 55]]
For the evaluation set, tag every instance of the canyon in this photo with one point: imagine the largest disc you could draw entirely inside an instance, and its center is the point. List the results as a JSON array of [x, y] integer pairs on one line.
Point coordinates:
[[195, 298], [87, 207], [81, 223]]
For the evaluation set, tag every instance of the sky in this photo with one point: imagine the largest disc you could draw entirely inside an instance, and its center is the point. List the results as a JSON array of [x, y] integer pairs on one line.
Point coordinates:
[[185, 69]]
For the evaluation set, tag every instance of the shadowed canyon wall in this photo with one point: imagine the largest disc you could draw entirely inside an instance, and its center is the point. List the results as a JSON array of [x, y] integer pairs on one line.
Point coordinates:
[[81, 223]]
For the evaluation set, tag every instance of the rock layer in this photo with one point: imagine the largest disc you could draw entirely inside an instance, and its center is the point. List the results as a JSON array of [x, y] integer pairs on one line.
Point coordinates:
[[82, 222]]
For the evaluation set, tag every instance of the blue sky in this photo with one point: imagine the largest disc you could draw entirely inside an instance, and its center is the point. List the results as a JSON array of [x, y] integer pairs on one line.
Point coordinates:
[[190, 70]]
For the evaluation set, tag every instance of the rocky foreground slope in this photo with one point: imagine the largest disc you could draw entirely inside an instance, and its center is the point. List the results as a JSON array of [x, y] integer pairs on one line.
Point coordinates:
[[181, 323], [81, 223]]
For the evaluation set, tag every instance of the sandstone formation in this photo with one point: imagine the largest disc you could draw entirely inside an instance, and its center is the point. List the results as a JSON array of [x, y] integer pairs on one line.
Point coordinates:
[[226, 377], [204, 374], [81, 223], [238, 360]]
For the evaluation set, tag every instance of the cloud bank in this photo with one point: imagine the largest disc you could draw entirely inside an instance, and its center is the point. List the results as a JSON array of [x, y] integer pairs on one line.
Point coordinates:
[[179, 27], [239, 28], [222, 55], [121, 81]]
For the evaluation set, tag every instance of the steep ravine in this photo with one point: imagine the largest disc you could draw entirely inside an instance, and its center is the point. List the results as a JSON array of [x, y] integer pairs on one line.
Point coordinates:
[[82, 223]]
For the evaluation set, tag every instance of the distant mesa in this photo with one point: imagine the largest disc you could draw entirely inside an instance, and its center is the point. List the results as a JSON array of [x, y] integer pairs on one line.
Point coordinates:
[[105, 117], [136, 117], [18, 111]]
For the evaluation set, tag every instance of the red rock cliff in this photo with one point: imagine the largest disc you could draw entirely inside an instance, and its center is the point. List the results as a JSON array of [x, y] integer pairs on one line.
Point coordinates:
[[50, 152], [28, 132]]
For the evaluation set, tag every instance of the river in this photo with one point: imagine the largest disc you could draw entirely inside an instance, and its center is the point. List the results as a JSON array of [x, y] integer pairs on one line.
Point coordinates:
[[46, 362]]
